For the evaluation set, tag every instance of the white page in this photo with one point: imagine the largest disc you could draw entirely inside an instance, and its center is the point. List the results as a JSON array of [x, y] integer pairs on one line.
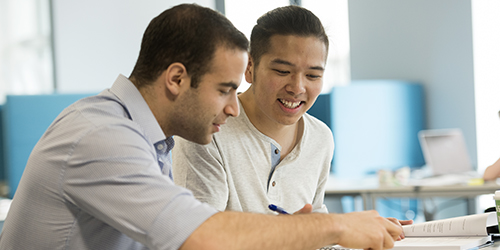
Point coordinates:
[[440, 243], [470, 225], [430, 243]]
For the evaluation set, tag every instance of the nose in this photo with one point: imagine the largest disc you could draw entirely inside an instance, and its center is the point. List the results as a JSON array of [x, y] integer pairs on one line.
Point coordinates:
[[232, 108], [296, 86]]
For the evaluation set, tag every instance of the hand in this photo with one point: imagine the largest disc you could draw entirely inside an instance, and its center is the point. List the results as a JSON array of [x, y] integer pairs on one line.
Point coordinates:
[[366, 230], [492, 172], [400, 223], [307, 209]]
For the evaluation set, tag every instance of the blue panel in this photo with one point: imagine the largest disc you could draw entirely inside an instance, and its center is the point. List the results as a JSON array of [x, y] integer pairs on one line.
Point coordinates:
[[322, 109], [2, 164], [401, 209], [25, 119], [375, 126]]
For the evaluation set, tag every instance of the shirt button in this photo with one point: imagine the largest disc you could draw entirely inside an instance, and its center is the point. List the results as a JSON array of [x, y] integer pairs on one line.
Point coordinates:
[[276, 151], [159, 147], [274, 183]]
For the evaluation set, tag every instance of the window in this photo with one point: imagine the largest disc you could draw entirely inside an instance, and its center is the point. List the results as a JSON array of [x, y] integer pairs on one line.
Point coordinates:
[[332, 13], [25, 48], [486, 40], [335, 18], [244, 16]]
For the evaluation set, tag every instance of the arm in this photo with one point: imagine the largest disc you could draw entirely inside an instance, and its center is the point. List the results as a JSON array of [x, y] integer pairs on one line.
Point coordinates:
[[492, 172], [233, 230], [121, 186]]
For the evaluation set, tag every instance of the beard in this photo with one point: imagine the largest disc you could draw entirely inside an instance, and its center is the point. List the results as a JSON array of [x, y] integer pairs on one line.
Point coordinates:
[[192, 120]]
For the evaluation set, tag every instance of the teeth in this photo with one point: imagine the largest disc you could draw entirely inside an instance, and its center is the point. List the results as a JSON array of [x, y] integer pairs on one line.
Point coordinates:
[[290, 105]]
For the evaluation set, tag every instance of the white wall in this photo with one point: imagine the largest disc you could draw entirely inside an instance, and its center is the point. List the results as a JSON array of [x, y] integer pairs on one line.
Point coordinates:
[[429, 41], [487, 79], [97, 40]]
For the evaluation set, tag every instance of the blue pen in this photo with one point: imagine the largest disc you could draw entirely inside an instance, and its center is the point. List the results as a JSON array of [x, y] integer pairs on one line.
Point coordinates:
[[277, 209]]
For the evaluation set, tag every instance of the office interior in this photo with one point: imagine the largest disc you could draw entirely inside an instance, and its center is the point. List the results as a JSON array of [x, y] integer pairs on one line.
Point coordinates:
[[443, 53]]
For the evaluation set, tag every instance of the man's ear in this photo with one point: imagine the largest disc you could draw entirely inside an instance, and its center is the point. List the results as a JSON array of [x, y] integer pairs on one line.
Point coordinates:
[[176, 78], [249, 71]]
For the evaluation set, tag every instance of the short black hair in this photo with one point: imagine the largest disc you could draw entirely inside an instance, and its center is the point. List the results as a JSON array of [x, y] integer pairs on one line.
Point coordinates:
[[188, 34], [288, 20]]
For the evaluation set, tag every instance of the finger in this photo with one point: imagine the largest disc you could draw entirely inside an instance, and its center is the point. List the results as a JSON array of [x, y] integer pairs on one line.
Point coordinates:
[[388, 241], [382, 242], [400, 237], [392, 219], [377, 240], [393, 229], [305, 210], [406, 222]]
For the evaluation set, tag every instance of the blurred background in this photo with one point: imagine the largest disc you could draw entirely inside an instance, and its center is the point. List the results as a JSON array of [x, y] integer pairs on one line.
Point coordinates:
[[449, 48]]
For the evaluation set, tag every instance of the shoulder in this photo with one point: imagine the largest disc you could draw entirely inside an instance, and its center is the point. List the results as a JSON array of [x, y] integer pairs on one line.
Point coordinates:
[[317, 132], [101, 109], [97, 118], [236, 128], [318, 126]]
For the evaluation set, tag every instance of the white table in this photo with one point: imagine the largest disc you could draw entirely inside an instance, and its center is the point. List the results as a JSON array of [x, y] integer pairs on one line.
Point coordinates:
[[369, 190]]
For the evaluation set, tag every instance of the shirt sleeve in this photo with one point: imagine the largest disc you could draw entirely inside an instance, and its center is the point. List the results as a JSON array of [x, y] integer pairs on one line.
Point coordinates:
[[318, 201], [112, 174], [200, 169]]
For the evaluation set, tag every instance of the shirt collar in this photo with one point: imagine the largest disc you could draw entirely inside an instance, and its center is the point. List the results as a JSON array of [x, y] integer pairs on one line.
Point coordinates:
[[137, 107]]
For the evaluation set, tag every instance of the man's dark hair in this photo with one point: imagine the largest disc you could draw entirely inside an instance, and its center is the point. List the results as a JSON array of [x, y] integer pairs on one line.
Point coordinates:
[[188, 34], [288, 20]]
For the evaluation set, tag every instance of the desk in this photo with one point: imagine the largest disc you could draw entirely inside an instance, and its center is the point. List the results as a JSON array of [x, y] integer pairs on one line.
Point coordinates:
[[369, 190], [495, 246]]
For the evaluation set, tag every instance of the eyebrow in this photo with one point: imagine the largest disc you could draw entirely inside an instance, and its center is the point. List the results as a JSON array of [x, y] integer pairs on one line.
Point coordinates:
[[229, 84], [280, 61]]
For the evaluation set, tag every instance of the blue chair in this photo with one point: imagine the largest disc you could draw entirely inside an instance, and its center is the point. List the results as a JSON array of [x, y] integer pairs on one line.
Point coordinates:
[[321, 109], [25, 119]]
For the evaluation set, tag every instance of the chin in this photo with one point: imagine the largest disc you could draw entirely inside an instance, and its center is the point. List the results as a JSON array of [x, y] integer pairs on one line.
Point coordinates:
[[203, 140], [290, 120]]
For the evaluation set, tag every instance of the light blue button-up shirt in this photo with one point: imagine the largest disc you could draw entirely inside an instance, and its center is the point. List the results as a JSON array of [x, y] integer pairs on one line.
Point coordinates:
[[99, 179]]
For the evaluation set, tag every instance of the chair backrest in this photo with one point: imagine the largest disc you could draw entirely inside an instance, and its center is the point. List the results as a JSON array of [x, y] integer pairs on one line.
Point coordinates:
[[25, 119], [321, 109]]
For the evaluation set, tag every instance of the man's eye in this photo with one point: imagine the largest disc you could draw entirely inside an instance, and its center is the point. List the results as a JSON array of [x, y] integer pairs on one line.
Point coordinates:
[[282, 72], [314, 76]]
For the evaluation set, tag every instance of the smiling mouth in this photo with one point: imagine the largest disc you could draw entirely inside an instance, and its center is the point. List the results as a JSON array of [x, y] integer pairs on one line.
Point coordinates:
[[290, 105]]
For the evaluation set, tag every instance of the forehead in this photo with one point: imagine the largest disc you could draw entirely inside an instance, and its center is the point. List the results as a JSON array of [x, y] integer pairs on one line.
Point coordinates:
[[227, 65], [297, 49]]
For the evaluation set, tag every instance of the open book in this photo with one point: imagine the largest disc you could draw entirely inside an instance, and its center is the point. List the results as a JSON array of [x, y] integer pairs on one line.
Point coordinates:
[[459, 233]]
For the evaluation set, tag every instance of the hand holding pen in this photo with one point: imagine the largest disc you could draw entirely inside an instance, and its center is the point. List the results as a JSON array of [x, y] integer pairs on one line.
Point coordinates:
[[277, 209], [307, 209]]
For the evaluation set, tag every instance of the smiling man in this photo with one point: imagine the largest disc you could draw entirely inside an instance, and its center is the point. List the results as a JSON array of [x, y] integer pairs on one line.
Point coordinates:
[[274, 152]]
